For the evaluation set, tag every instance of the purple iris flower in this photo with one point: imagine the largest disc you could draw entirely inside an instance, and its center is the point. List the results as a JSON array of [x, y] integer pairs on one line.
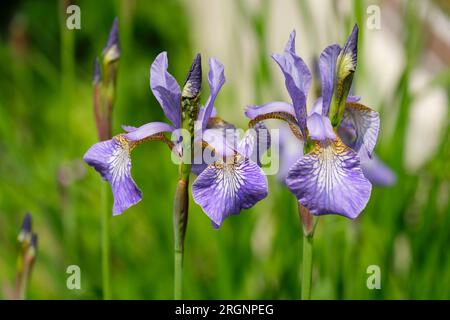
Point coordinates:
[[228, 183], [334, 139], [234, 179]]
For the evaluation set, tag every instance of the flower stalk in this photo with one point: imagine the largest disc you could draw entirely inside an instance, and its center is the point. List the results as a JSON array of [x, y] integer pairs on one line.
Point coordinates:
[[307, 267], [25, 262], [180, 218], [189, 111], [104, 93], [308, 224]]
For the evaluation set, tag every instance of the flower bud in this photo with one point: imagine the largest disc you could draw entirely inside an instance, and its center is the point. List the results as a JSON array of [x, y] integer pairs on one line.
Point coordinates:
[[111, 52], [25, 230], [193, 83]]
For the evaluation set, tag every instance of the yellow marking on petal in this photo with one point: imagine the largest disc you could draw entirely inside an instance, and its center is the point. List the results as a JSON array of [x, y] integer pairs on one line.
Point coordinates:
[[345, 65], [337, 147], [130, 145], [219, 123], [289, 118], [358, 106]]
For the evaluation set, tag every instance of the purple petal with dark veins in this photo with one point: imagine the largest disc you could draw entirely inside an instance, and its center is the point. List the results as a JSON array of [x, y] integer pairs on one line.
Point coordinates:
[[224, 189], [365, 123], [111, 159], [166, 89], [329, 180]]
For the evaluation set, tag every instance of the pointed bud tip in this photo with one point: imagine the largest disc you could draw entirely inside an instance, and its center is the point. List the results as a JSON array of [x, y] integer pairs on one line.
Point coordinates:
[[193, 82], [26, 224], [25, 230], [111, 51], [352, 40], [34, 241], [351, 47]]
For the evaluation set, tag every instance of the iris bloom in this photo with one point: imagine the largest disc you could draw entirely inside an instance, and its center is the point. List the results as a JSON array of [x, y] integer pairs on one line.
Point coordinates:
[[233, 180], [333, 139], [226, 185], [377, 172]]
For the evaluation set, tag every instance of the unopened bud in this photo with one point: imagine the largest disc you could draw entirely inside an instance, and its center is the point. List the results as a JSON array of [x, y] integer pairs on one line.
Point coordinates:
[[25, 230], [193, 83], [111, 52], [33, 246]]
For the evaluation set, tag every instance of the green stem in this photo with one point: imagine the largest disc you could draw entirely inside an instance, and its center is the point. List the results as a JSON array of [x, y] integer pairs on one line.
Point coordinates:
[[22, 279], [178, 284], [308, 225], [105, 212], [307, 266], [180, 218]]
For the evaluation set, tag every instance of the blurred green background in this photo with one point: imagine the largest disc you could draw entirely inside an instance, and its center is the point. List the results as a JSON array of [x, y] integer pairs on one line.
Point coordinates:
[[47, 123]]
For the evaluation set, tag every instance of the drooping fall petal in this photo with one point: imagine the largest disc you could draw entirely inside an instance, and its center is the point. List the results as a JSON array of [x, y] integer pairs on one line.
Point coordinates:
[[223, 189], [329, 180]]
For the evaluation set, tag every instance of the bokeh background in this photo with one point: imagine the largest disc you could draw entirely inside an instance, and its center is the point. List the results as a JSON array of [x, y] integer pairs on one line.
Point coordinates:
[[46, 125]]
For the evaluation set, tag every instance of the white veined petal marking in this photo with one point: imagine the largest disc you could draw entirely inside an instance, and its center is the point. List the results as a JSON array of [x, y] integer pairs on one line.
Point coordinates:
[[329, 168], [119, 162], [228, 178], [329, 180]]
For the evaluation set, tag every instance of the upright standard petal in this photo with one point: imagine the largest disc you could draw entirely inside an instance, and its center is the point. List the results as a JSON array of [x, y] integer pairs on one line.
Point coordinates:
[[327, 66], [365, 123], [111, 159], [222, 139], [317, 107], [255, 142], [320, 128], [224, 189], [222, 136], [329, 180], [216, 79], [166, 89], [290, 44], [297, 80], [291, 150]]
